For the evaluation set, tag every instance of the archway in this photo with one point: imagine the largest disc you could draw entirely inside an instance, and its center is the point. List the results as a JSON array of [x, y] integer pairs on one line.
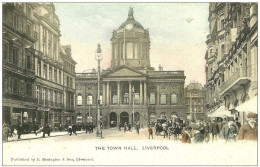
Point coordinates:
[[124, 117], [113, 119]]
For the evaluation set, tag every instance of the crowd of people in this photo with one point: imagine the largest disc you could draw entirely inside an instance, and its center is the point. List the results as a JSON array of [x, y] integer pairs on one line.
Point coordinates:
[[228, 129]]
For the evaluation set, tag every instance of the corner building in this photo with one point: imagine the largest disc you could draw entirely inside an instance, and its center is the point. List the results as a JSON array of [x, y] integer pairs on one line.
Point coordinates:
[[231, 59], [157, 94]]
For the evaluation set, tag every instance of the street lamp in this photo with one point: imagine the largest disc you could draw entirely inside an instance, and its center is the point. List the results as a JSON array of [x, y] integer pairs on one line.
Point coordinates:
[[99, 57]]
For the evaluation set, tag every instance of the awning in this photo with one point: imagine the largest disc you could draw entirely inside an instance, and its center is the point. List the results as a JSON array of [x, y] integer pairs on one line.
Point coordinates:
[[248, 106], [220, 112]]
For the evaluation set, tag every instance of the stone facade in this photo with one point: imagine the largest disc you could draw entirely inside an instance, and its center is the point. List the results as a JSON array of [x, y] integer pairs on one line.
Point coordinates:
[[131, 83], [34, 65], [195, 101], [231, 58]]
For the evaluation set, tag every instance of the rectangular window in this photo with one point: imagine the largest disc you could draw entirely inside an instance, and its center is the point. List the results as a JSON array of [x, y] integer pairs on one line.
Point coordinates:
[[130, 51], [38, 94], [50, 73], [39, 68], [28, 28], [54, 98], [152, 98], [28, 62], [29, 89], [222, 24], [5, 52], [55, 75], [45, 71], [43, 96], [15, 56], [59, 77], [29, 11], [115, 99], [79, 100], [163, 99]]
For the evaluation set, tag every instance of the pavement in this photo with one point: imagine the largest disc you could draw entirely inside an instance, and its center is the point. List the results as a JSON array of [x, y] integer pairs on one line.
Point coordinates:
[[32, 136]]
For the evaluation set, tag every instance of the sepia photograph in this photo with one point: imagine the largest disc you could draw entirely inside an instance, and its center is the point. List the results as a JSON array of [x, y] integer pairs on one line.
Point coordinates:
[[148, 83]]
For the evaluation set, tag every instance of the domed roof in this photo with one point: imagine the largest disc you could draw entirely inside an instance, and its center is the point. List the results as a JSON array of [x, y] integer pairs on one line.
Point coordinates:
[[194, 86], [131, 20]]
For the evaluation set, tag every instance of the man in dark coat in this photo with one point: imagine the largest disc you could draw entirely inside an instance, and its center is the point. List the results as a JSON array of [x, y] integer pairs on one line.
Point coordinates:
[[198, 135], [87, 128], [19, 129], [214, 130], [249, 130], [230, 130], [74, 129], [46, 130], [206, 131], [125, 127]]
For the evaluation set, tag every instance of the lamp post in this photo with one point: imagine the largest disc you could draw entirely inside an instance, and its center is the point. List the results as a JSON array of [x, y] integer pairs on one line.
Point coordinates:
[[99, 57]]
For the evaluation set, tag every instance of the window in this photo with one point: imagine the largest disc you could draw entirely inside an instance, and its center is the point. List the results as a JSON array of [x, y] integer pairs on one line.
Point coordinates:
[[5, 52], [29, 89], [55, 75], [79, 100], [28, 62], [50, 73], [163, 99], [68, 81], [15, 56], [29, 11], [15, 20], [38, 94], [39, 68], [222, 24], [43, 96], [54, 98], [100, 99], [28, 28], [152, 98], [114, 99], [89, 100], [49, 96], [174, 98], [71, 82], [126, 98], [59, 77], [45, 71]]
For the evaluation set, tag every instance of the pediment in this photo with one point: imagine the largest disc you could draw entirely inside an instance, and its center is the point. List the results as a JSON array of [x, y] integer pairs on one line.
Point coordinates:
[[125, 72]]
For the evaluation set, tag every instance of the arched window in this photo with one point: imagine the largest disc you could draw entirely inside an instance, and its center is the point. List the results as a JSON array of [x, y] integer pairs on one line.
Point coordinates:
[[79, 100], [152, 98], [174, 98], [89, 99], [163, 99]]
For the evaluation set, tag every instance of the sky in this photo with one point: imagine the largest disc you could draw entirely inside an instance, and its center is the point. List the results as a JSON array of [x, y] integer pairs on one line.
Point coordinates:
[[178, 33]]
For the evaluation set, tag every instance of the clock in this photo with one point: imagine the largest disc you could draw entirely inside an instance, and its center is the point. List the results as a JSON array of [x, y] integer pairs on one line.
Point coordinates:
[[129, 26]]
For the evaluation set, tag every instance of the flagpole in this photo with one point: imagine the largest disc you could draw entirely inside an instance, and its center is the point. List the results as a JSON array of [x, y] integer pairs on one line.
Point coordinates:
[[124, 47]]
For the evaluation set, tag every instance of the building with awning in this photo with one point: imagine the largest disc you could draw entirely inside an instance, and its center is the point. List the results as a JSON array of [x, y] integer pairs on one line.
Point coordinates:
[[248, 106], [220, 112]]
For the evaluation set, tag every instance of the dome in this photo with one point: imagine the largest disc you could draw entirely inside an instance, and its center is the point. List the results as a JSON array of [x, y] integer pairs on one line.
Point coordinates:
[[131, 20], [194, 86]]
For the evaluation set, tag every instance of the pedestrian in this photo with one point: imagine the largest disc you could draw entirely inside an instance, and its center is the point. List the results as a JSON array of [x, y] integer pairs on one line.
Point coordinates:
[[11, 126], [249, 130], [35, 128], [129, 127], [70, 130], [230, 130], [125, 127], [60, 127], [165, 130], [46, 130], [87, 128], [198, 135], [137, 127], [150, 131], [119, 127], [206, 131], [19, 129], [186, 135], [238, 123], [214, 130], [6, 131], [74, 129]]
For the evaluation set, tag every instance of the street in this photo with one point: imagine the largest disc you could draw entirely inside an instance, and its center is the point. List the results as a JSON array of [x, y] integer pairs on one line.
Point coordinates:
[[113, 149]]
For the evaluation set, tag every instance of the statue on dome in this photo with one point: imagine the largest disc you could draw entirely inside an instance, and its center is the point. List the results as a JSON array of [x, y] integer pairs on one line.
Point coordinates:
[[131, 12]]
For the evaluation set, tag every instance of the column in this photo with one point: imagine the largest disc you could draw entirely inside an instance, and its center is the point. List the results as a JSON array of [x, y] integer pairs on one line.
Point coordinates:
[[11, 112], [42, 66], [141, 93], [130, 93], [52, 73], [145, 94], [118, 93], [58, 76], [107, 98], [158, 94], [104, 94]]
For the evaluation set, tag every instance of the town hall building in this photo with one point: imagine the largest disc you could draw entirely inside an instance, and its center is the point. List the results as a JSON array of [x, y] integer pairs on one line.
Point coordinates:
[[130, 85]]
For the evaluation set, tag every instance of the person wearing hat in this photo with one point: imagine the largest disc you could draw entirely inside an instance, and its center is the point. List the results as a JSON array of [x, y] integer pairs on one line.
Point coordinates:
[[249, 130], [186, 135], [230, 130]]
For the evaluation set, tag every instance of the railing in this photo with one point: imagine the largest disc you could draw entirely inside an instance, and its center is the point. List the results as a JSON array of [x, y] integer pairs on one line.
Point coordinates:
[[166, 73], [232, 80], [84, 75], [16, 96]]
